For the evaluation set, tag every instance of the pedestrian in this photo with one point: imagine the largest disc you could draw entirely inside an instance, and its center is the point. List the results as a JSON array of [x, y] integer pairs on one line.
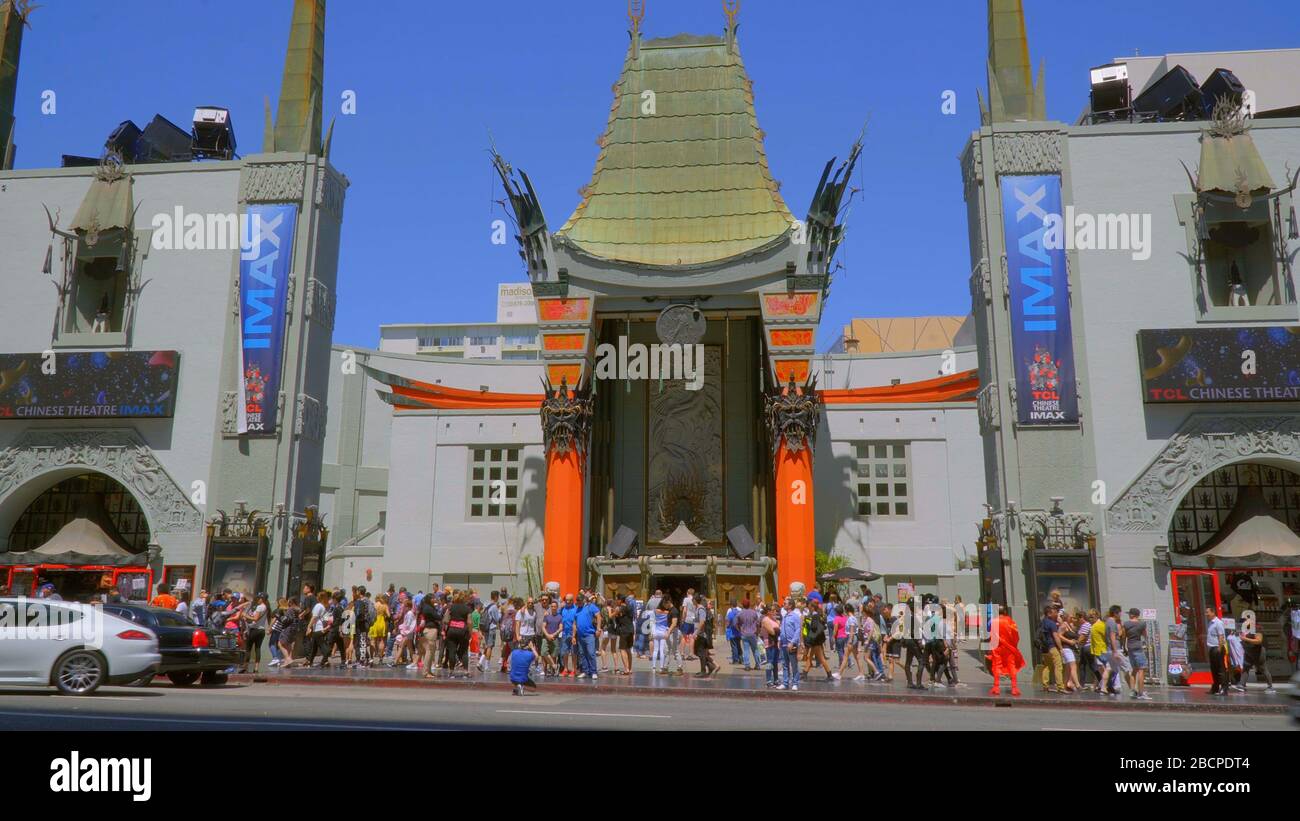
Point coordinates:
[[1236, 659], [1135, 641], [770, 627], [1051, 661], [507, 632], [674, 648], [405, 634], [687, 627], [315, 630], [733, 637], [521, 661], [183, 604], [815, 637], [336, 637], [456, 630], [490, 627], [1005, 658], [662, 628], [1255, 657], [1070, 643], [430, 635], [587, 626], [255, 619], [199, 609], [552, 627], [746, 627], [626, 630], [891, 638], [791, 641], [1115, 658], [704, 638], [1084, 647], [568, 650], [164, 599], [379, 630]]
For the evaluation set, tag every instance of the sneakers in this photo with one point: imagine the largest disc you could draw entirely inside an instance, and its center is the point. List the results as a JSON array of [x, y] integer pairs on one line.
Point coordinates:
[[583, 675], [594, 676], [836, 677], [859, 677], [794, 687], [1144, 697], [413, 666], [780, 687]]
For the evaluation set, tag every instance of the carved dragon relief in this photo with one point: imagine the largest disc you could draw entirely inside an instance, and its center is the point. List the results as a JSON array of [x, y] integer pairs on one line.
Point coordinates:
[[116, 452], [1204, 444]]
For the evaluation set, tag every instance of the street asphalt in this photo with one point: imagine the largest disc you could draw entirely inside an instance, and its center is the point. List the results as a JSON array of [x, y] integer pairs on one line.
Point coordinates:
[[314, 707]]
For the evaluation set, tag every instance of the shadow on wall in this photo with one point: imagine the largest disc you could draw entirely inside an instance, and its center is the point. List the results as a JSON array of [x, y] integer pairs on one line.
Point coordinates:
[[532, 510], [840, 530]]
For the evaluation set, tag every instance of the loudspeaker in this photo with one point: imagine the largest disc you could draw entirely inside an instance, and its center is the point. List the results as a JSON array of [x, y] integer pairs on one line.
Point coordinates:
[[1222, 83], [125, 140], [1175, 96], [623, 543], [164, 141], [741, 542], [1111, 95]]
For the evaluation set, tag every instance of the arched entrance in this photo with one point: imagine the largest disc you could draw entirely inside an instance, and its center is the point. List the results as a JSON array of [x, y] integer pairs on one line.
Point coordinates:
[[82, 531], [1234, 546]]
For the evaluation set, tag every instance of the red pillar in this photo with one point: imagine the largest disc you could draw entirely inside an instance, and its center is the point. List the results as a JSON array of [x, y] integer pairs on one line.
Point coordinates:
[[796, 537], [562, 534]]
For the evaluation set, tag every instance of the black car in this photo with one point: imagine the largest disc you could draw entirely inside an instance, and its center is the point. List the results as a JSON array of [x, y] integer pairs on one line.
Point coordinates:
[[188, 651]]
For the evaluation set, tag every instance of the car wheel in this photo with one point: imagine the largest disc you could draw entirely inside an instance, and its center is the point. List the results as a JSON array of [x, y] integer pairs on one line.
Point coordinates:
[[79, 672], [214, 679], [182, 679]]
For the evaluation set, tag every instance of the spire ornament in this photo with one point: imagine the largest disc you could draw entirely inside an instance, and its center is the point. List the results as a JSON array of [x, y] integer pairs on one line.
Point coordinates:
[[635, 14]]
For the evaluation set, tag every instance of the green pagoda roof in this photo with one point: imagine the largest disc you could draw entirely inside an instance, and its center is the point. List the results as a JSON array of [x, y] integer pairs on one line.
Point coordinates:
[[687, 184]]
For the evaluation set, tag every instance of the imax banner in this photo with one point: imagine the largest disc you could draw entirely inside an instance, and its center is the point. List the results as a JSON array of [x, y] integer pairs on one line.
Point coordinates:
[[263, 292], [1040, 303]]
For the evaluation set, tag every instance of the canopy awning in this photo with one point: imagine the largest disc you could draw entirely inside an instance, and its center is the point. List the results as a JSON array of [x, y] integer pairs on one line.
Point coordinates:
[[1227, 161], [79, 542], [681, 536], [1251, 536], [107, 206]]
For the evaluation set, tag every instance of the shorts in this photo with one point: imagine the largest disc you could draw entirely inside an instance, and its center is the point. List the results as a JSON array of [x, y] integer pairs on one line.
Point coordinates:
[[1121, 663], [625, 642], [550, 647], [566, 646], [687, 629], [1138, 659], [1068, 655], [490, 639]]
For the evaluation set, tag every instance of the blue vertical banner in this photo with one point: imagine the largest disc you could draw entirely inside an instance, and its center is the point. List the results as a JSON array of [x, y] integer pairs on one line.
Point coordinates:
[[265, 259], [1041, 343]]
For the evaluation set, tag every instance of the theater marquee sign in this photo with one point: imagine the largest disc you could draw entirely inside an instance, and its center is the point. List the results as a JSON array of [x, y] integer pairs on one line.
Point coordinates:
[[88, 385], [1258, 364]]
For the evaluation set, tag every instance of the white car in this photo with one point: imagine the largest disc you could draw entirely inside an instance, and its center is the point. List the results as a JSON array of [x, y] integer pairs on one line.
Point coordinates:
[[74, 647]]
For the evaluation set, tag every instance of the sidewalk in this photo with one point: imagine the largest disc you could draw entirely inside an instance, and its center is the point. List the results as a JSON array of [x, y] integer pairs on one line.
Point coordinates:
[[733, 681]]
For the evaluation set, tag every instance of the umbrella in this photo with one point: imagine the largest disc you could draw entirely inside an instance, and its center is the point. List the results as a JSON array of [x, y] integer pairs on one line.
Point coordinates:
[[849, 574]]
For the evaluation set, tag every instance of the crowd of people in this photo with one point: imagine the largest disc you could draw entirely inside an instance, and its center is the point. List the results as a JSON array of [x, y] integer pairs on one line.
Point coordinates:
[[452, 632]]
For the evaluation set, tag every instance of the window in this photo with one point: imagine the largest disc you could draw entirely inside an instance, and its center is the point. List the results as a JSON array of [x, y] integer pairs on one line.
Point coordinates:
[[440, 341], [482, 340], [494, 483], [521, 339], [1234, 255], [97, 305], [89, 495], [884, 486], [463, 581]]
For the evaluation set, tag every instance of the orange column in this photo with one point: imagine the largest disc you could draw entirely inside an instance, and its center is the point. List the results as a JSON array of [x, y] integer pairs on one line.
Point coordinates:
[[562, 546], [796, 537]]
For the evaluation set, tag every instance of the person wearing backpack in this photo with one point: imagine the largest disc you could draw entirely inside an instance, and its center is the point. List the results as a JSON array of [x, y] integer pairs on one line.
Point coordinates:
[[704, 638], [815, 637]]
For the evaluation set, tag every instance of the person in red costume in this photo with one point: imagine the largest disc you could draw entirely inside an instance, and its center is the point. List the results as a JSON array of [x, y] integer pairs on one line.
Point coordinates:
[[1004, 657]]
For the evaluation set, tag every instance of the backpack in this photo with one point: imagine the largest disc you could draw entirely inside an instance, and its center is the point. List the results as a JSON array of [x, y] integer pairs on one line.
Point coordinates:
[[815, 629]]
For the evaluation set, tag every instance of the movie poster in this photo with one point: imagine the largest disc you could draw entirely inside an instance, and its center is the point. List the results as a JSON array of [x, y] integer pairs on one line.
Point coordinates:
[[88, 385], [1041, 343], [263, 293]]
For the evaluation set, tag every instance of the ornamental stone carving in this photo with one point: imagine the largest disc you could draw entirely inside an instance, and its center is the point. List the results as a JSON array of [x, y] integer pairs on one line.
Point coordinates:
[[1201, 446], [272, 182], [566, 418], [320, 303], [972, 169], [990, 409], [116, 452], [309, 419], [981, 281], [230, 413], [1027, 152], [330, 189], [792, 416]]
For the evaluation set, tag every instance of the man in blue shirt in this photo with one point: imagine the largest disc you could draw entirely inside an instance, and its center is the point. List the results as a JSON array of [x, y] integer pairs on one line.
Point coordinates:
[[791, 638], [568, 653], [586, 626]]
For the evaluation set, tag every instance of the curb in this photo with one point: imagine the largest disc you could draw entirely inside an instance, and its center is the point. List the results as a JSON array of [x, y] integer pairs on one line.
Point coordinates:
[[568, 688]]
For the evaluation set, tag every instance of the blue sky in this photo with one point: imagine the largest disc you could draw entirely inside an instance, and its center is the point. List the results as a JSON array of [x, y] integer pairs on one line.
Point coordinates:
[[431, 79]]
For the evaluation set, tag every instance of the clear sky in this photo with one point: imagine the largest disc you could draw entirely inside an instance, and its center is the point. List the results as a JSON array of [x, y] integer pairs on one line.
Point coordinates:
[[433, 77]]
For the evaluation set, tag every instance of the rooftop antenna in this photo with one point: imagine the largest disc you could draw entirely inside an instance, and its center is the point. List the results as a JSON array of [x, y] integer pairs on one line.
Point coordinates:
[[731, 8], [635, 14]]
